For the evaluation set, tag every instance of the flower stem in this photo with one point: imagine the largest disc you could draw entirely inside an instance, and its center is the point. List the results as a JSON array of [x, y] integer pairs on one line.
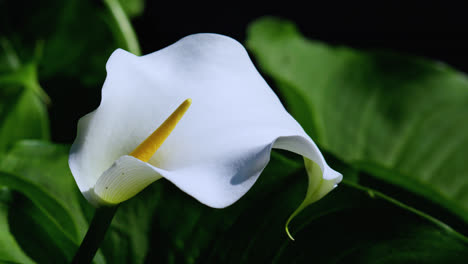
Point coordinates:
[[124, 28], [97, 229], [373, 193]]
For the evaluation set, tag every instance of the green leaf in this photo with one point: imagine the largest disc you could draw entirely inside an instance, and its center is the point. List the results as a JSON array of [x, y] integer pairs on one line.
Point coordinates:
[[44, 165], [38, 213], [10, 252], [50, 205], [70, 40], [38, 233], [398, 118], [23, 114], [347, 226], [42, 200], [164, 225], [133, 8]]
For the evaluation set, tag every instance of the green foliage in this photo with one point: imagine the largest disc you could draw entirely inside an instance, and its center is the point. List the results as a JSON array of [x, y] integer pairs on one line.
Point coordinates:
[[40, 219], [38, 233], [70, 40], [392, 124], [398, 118], [133, 8], [162, 224], [22, 110], [49, 200], [10, 251], [347, 226], [46, 165], [65, 48]]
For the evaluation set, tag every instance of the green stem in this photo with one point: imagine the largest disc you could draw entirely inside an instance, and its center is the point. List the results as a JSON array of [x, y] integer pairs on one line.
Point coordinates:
[[12, 59], [437, 222], [97, 229], [124, 27]]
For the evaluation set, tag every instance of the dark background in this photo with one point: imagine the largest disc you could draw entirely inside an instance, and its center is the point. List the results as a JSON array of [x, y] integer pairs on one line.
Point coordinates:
[[434, 30]]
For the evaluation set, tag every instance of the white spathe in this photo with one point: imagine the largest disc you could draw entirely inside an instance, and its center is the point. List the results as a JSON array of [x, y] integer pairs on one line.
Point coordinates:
[[218, 149]]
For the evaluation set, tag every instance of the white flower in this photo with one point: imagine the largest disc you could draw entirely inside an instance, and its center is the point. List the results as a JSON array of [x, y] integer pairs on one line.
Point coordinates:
[[217, 150]]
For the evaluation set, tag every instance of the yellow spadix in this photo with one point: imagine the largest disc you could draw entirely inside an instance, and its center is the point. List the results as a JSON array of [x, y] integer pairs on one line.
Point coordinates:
[[151, 144]]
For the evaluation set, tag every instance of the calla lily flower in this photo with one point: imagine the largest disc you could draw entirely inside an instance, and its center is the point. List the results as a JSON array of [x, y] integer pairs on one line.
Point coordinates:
[[196, 113]]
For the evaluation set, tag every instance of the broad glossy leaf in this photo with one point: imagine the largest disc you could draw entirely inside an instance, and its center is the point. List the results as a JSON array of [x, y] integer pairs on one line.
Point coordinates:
[[38, 233], [40, 224], [41, 199], [182, 230], [10, 251], [347, 226], [46, 165], [399, 118], [47, 207]]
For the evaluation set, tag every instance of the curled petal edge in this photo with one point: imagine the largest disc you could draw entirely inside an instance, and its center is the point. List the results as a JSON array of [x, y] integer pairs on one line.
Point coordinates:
[[317, 188]]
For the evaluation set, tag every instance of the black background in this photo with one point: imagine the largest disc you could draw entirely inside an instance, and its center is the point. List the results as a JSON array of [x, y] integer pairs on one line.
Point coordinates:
[[434, 30]]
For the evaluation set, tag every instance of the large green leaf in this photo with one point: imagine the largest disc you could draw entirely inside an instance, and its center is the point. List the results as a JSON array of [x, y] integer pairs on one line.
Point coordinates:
[[46, 165], [39, 223], [347, 226], [48, 183], [400, 119], [10, 251], [38, 233], [47, 211]]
